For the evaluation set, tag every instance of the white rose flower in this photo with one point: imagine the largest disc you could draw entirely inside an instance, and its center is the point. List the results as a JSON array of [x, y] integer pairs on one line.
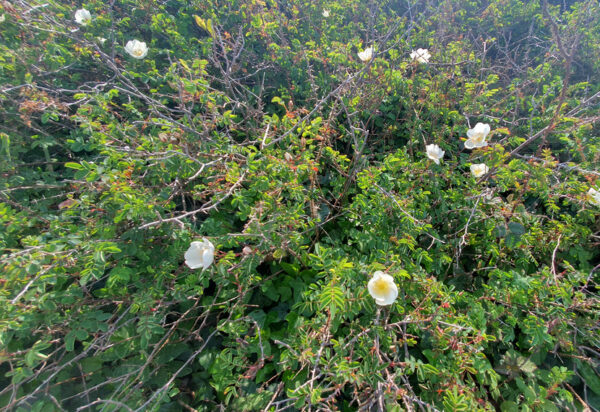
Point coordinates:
[[325, 13], [382, 288], [366, 54], [2, 18], [479, 169], [420, 55], [594, 196], [200, 254], [476, 136], [435, 153], [101, 40], [82, 17], [137, 49]]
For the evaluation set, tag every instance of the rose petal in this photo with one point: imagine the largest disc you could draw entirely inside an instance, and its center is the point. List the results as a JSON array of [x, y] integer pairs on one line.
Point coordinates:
[[207, 257], [485, 129]]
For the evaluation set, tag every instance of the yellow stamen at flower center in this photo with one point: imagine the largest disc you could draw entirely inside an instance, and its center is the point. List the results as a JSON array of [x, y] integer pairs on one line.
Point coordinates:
[[138, 52], [478, 138], [381, 287]]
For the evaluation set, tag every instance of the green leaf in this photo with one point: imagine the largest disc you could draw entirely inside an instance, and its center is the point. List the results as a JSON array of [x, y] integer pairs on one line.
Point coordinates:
[[516, 228], [81, 334], [70, 341], [590, 377], [73, 165]]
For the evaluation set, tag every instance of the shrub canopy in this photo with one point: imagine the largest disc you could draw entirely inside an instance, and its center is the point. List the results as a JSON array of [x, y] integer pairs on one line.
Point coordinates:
[[130, 131]]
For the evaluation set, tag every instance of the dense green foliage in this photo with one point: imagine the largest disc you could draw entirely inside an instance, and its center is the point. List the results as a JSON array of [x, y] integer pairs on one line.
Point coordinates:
[[254, 124]]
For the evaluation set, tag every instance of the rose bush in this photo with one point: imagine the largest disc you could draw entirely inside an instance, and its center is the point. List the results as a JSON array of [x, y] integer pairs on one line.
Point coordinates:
[[254, 124]]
